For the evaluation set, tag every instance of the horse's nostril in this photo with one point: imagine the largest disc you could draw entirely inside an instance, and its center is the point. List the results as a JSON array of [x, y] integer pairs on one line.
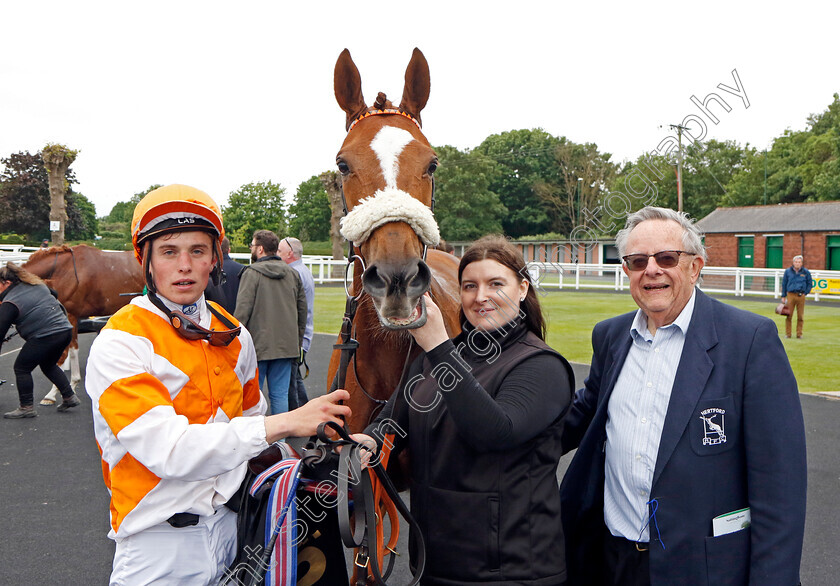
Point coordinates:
[[374, 283], [420, 281]]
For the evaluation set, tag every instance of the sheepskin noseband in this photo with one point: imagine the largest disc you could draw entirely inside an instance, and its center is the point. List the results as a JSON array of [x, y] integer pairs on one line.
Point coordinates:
[[390, 205]]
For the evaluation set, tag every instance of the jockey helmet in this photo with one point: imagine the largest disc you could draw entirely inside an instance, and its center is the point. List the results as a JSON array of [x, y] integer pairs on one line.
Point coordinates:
[[176, 208]]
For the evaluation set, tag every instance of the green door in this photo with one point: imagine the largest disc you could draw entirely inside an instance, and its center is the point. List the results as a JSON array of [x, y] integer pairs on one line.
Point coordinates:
[[746, 246], [774, 259], [745, 251], [832, 257]]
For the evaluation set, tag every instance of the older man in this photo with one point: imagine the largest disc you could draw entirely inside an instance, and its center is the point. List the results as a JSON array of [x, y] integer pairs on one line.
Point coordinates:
[[796, 284], [690, 466], [291, 251]]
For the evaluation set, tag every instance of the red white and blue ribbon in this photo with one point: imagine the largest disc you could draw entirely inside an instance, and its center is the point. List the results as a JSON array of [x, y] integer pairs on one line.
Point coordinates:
[[281, 518]]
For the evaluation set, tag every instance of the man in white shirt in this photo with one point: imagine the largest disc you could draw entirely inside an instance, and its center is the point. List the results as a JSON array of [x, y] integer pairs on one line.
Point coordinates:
[[690, 466]]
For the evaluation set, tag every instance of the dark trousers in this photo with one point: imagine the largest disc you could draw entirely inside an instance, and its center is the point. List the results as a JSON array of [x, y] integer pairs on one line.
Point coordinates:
[[297, 390], [624, 564], [44, 352]]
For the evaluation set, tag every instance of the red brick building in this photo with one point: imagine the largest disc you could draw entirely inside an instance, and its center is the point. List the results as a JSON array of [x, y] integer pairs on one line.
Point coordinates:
[[770, 236]]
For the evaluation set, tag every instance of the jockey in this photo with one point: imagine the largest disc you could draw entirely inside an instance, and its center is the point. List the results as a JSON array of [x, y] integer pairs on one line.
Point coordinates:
[[176, 403]]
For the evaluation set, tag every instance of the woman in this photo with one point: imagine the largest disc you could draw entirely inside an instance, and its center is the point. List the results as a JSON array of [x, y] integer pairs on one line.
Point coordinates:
[[482, 415], [41, 320]]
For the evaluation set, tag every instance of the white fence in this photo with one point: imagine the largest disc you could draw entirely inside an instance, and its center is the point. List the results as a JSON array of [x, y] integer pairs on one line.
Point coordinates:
[[324, 268], [732, 280], [17, 253]]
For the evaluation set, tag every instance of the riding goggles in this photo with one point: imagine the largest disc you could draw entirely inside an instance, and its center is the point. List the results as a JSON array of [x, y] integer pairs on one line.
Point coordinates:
[[666, 259], [192, 331]]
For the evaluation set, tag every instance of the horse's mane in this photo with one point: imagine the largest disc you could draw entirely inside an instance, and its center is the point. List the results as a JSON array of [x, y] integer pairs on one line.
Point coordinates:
[[44, 252]]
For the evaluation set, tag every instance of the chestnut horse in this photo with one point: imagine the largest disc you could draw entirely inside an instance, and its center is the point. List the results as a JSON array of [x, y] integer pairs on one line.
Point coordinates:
[[89, 282], [386, 167]]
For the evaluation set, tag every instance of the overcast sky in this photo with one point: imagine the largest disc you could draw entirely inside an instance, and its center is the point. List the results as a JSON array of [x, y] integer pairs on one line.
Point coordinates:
[[219, 94]]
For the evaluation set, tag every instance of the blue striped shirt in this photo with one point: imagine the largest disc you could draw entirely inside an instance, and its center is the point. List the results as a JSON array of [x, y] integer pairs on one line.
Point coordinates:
[[635, 418]]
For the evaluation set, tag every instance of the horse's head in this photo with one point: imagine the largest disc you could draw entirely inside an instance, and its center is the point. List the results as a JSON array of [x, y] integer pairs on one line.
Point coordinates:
[[386, 167]]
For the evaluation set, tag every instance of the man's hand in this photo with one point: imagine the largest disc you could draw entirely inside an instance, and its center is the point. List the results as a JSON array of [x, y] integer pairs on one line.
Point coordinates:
[[784, 299], [304, 421]]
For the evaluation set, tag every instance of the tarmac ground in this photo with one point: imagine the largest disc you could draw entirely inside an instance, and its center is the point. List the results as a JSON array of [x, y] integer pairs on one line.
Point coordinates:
[[54, 506]]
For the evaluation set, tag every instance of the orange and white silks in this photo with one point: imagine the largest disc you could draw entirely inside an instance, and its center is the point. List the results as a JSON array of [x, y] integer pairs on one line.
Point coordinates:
[[176, 420]]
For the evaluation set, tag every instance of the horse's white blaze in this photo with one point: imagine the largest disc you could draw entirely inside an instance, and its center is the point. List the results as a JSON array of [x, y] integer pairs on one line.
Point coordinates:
[[388, 144]]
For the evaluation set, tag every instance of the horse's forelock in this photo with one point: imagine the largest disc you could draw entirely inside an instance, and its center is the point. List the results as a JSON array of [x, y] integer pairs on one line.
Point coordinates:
[[382, 102]]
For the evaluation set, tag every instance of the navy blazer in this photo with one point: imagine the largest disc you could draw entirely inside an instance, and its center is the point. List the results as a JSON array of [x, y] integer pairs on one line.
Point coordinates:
[[734, 362]]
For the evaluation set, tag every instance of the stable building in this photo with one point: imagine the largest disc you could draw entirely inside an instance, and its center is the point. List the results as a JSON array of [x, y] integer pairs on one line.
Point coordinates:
[[770, 236]]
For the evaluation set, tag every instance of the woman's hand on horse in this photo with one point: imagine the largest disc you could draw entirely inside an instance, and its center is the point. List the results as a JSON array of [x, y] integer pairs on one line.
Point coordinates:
[[367, 442], [433, 332], [304, 421]]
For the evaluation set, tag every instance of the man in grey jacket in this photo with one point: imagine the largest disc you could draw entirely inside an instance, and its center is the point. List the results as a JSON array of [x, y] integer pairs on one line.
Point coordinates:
[[272, 305]]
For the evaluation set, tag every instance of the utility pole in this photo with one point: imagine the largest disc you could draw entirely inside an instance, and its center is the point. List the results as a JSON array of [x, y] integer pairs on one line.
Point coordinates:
[[765, 176], [679, 130]]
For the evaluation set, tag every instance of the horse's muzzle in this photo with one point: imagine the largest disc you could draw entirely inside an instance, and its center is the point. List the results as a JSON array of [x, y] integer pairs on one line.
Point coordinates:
[[397, 292]]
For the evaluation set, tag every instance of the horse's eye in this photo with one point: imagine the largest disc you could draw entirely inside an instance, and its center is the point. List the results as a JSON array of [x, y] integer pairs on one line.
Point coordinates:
[[432, 168], [343, 168]]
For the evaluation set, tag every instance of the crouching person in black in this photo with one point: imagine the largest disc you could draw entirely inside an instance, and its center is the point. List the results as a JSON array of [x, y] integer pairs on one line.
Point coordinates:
[[40, 320], [482, 414]]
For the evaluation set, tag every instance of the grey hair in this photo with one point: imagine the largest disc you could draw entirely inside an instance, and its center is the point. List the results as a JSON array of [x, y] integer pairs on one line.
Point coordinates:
[[799, 256], [295, 246], [692, 237]]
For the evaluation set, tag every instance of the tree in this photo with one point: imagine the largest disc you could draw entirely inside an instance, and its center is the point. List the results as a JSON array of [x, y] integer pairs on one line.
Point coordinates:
[[310, 214], [25, 200], [523, 158], [585, 174], [123, 211], [332, 185], [799, 166], [252, 207], [57, 159], [465, 206], [81, 217], [708, 171]]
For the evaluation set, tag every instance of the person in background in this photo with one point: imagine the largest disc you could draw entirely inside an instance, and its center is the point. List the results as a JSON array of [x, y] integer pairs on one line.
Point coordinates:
[[484, 431], [690, 464], [291, 251], [176, 406], [40, 320], [45, 243], [272, 305], [225, 293], [796, 285]]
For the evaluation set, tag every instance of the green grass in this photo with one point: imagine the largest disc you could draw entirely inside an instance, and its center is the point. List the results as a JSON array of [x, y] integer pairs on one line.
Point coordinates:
[[571, 316]]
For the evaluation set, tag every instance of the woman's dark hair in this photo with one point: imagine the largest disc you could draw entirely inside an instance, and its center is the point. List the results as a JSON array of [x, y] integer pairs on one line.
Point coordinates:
[[506, 254], [13, 273]]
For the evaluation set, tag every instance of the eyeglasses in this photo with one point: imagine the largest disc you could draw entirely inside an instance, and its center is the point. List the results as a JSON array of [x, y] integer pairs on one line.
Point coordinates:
[[192, 331], [666, 259]]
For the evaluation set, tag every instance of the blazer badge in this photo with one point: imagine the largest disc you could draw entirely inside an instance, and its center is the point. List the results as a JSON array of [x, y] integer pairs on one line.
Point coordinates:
[[714, 426]]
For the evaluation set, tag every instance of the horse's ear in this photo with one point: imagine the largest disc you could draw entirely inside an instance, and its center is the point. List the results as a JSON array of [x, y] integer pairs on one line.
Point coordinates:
[[348, 87], [416, 90]]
